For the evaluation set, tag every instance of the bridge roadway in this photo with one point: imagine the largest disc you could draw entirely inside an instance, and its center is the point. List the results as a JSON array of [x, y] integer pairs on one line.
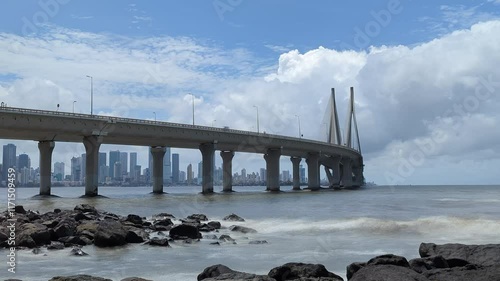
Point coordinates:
[[48, 127]]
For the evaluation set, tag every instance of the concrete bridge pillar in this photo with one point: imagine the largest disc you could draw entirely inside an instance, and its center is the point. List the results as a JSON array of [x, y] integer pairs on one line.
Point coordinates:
[[272, 158], [92, 144], [227, 170], [158, 152], [336, 171], [347, 172], [312, 161], [207, 154], [357, 170], [45, 148], [296, 172]]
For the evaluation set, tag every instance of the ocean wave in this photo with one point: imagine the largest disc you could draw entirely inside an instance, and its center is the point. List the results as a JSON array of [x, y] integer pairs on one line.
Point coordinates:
[[467, 200], [442, 225]]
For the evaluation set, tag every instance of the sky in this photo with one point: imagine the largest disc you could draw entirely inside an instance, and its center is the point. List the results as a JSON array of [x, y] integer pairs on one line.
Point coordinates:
[[425, 74]]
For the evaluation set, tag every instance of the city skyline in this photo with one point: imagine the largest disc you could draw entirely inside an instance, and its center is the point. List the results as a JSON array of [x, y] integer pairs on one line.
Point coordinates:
[[118, 169]]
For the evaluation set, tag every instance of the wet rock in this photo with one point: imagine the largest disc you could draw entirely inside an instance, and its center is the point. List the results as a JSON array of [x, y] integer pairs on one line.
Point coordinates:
[[389, 259], [233, 217], [198, 217], [74, 240], [466, 273], [32, 216], [85, 208], [257, 242], [215, 243], [82, 217], [242, 229], [135, 219], [387, 272], [162, 216], [136, 235], [222, 272], [300, 271], [19, 209], [158, 242], [226, 238], [476, 254], [79, 278], [135, 279], [110, 233], [210, 236], [205, 228], [423, 264], [32, 232], [36, 251], [55, 245], [353, 268], [184, 231], [57, 210], [66, 227], [87, 227], [77, 251], [214, 224]]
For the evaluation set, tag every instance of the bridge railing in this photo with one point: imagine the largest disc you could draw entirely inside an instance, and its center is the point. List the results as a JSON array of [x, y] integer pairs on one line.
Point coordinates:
[[160, 123]]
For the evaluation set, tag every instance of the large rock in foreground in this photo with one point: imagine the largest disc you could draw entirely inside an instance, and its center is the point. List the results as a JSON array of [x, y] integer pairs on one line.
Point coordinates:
[[110, 233], [184, 231], [79, 278], [476, 254], [298, 271], [222, 272], [387, 272]]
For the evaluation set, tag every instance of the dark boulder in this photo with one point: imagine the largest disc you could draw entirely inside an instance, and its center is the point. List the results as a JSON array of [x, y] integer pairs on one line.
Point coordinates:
[[214, 224], [55, 245], [298, 271], [242, 229], [158, 242], [32, 232], [79, 278], [135, 219], [85, 208], [353, 268], [389, 259], [74, 240], [198, 217], [77, 251], [226, 238], [233, 217], [475, 254], [184, 231], [205, 228], [136, 235], [387, 272], [110, 233], [162, 216], [19, 209], [423, 264], [222, 272], [466, 273], [66, 227]]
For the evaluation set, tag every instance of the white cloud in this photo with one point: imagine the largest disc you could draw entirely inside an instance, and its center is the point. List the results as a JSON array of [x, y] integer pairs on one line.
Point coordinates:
[[405, 95]]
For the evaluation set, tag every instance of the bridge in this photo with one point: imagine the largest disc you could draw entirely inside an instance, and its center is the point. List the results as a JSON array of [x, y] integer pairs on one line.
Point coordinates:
[[342, 162]]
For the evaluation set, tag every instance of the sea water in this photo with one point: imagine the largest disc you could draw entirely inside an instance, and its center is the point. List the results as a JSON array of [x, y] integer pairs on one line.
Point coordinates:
[[334, 228]]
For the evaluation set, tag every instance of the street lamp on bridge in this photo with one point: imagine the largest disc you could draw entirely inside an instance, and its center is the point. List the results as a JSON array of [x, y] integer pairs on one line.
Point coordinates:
[[91, 94], [155, 115], [298, 120], [256, 107], [74, 106], [192, 99]]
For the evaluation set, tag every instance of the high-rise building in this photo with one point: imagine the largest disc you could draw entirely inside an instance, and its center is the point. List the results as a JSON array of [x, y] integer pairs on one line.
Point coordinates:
[[285, 176], [182, 177], [302, 173], [167, 167], [175, 168], [133, 164], [200, 172], [9, 159], [83, 166], [76, 169], [114, 156], [263, 175], [117, 171], [23, 161], [124, 162], [59, 171], [102, 159], [244, 174], [190, 174]]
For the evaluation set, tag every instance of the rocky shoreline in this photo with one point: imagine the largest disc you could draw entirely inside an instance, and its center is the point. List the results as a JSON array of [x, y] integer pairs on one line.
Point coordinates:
[[84, 225]]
